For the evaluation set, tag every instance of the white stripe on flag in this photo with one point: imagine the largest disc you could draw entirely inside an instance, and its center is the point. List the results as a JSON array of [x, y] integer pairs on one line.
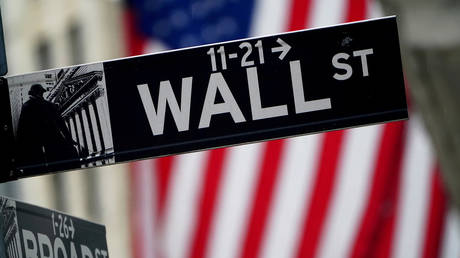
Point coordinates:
[[451, 239], [291, 192], [232, 203], [270, 16], [352, 191], [326, 12], [417, 171], [181, 203]]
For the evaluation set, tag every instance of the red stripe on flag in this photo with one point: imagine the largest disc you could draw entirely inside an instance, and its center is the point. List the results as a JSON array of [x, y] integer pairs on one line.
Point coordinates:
[[208, 196], [390, 205], [267, 178], [163, 177], [322, 193], [300, 10], [357, 10], [436, 217], [384, 239], [377, 223], [135, 42]]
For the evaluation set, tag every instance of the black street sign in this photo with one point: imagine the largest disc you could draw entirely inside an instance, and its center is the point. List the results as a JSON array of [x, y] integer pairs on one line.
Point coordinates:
[[32, 232], [204, 97]]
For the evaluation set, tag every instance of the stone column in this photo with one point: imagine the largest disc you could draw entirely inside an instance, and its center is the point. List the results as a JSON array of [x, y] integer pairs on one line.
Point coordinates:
[[73, 115], [91, 127], [83, 131], [98, 125]]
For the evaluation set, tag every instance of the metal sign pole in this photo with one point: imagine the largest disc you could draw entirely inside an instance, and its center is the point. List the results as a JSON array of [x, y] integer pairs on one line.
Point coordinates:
[[3, 63]]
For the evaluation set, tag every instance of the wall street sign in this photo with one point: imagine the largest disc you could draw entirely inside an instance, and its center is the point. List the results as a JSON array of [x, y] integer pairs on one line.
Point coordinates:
[[31, 232], [204, 97]]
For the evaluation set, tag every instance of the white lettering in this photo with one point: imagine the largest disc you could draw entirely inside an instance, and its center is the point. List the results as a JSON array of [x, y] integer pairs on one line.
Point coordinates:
[[59, 245], [343, 66], [100, 253], [166, 96], [302, 106], [86, 252], [210, 108], [258, 112], [73, 251], [104, 253], [30, 244], [44, 246], [363, 54]]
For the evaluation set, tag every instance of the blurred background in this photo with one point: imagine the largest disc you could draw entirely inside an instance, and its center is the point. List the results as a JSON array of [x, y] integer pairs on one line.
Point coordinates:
[[379, 191]]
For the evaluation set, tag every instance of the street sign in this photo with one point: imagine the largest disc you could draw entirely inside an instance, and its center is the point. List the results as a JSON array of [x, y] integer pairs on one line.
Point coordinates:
[[3, 64], [204, 97], [31, 232]]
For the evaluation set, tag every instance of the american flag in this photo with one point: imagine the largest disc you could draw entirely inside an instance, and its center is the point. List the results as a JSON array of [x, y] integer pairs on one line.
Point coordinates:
[[374, 191]]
